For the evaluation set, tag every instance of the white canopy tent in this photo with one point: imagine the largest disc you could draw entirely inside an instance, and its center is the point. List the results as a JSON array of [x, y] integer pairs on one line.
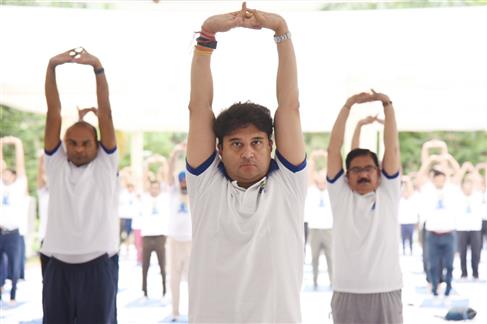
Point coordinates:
[[431, 62]]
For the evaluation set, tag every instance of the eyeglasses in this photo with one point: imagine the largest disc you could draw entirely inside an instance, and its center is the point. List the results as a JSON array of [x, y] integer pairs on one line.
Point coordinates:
[[367, 169]]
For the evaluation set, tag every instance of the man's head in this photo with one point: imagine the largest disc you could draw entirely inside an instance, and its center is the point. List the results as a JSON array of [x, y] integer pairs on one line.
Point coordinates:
[[9, 176], [468, 184], [438, 178], [155, 188], [244, 134], [363, 172], [81, 143], [182, 182]]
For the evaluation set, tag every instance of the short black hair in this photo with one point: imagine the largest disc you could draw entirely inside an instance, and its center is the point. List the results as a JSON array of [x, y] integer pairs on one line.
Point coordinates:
[[241, 115], [437, 173], [85, 124], [360, 152]]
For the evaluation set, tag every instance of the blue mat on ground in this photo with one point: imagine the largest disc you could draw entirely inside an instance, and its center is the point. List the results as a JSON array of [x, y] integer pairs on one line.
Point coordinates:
[[181, 319], [7, 306], [36, 321], [319, 289], [440, 303], [146, 302], [423, 290]]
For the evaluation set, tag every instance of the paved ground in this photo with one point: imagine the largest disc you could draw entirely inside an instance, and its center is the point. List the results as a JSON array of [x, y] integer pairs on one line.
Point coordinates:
[[419, 307]]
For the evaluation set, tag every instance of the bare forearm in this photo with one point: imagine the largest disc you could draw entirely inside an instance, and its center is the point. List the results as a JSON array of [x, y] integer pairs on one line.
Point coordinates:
[[201, 96], [356, 136], [52, 129], [105, 120], [391, 141], [338, 131], [287, 76]]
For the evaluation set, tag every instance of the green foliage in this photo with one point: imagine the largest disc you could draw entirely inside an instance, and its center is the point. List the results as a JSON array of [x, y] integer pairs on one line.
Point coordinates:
[[399, 4], [29, 127], [162, 142], [463, 146]]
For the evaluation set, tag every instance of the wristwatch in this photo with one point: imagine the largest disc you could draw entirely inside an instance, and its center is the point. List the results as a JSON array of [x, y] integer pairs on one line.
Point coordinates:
[[282, 38]]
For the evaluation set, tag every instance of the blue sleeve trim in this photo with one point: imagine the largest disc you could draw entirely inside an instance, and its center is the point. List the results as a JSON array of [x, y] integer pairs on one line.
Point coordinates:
[[288, 165], [202, 167], [339, 174], [107, 151], [390, 177], [51, 152]]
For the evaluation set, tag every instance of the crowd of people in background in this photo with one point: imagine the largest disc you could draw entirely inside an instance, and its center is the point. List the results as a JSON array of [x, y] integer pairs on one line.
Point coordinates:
[[443, 209]]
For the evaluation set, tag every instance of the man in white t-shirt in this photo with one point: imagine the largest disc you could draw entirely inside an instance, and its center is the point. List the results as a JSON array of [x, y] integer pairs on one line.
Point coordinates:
[[246, 208], [81, 242], [154, 229], [179, 228], [408, 213], [367, 278], [317, 212], [469, 226], [13, 214]]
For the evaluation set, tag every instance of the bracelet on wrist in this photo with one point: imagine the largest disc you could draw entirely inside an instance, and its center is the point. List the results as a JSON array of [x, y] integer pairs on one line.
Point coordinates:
[[202, 50], [281, 38], [206, 39], [99, 71]]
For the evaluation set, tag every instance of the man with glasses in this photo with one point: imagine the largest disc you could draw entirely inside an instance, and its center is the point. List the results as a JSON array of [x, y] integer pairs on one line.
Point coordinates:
[[367, 279]]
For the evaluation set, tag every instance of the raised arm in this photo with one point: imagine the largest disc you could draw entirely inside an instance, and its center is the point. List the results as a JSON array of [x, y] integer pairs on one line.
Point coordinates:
[[19, 153], [288, 134], [335, 163], [313, 163], [432, 144], [391, 162], [201, 137], [104, 112], [175, 154], [358, 128], [41, 173], [52, 130]]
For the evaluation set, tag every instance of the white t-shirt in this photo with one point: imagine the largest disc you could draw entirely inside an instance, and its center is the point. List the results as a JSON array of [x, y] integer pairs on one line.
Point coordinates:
[[483, 204], [43, 200], [129, 204], [440, 208], [179, 216], [155, 215], [82, 221], [409, 210], [470, 213], [317, 210], [247, 255], [365, 236], [14, 204]]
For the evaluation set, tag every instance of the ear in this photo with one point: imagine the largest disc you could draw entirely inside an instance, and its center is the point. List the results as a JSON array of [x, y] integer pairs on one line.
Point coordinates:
[[271, 143], [219, 149]]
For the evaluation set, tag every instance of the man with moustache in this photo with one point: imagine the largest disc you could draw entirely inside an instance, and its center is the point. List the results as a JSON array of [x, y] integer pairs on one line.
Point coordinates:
[[367, 278]]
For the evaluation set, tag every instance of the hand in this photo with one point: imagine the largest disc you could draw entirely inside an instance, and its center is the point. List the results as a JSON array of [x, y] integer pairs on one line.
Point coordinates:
[[76, 55], [259, 19], [357, 98], [380, 96], [224, 22], [368, 120], [84, 111], [10, 140]]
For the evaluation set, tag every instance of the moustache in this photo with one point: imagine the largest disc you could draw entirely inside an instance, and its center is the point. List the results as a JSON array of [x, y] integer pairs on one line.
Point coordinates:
[[363, 180]]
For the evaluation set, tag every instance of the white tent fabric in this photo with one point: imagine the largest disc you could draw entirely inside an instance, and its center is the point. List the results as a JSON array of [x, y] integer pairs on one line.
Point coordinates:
[[431, 62]]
